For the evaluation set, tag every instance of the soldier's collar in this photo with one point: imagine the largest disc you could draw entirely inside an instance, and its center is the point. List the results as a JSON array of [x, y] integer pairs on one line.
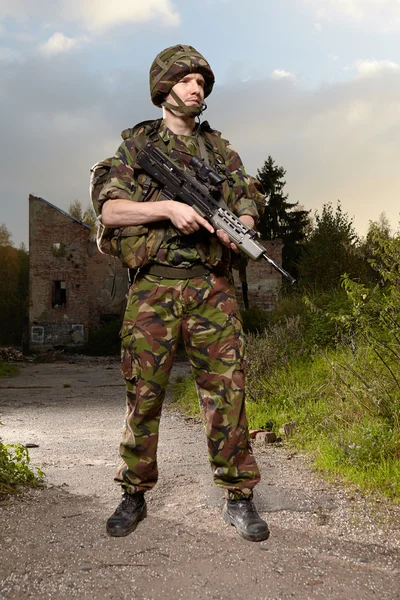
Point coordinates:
[[166, 134]]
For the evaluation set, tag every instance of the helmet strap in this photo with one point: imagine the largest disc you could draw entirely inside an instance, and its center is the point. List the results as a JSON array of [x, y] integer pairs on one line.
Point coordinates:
[[180, 107]]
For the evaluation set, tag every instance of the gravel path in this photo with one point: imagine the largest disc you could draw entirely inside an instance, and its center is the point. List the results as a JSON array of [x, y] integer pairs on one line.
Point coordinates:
[[326, 542]]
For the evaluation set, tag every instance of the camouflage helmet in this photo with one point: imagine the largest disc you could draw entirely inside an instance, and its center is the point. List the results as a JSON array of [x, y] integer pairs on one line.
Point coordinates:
[[171, 65]]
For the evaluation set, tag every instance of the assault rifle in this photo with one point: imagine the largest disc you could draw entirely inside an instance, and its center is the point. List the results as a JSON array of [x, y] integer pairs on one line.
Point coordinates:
[[199, 192]]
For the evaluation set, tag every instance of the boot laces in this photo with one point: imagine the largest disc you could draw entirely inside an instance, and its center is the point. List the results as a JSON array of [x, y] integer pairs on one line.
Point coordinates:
[[126, 502], [247, 505]]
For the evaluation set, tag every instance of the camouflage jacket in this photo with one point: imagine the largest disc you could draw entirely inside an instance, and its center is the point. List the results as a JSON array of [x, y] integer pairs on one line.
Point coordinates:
[[160, 241]]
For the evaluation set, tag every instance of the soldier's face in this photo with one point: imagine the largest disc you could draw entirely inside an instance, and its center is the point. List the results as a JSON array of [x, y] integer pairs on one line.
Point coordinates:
[[190, 89]]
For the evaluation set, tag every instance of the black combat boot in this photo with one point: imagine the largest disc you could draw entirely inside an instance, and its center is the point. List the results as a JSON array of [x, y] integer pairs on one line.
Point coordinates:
[[131, 510], [243, 515]]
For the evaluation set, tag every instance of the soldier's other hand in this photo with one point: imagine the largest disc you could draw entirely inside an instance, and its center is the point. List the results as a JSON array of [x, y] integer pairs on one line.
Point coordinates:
[[186, 219], [226, 241]]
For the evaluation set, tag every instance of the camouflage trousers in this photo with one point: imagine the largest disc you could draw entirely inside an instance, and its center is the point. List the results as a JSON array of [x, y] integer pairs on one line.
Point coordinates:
[[204, 311]]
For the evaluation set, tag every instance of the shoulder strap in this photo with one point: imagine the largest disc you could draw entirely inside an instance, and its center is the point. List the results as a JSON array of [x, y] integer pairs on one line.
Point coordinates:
[[147, 126], [213, 140], [203, 149]]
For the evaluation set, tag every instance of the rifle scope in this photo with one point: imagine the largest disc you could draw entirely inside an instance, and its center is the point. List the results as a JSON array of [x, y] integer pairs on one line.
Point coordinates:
[[205, 173]]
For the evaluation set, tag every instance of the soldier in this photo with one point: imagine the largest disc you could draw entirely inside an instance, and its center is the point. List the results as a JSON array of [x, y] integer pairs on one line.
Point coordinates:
[[181, 286]]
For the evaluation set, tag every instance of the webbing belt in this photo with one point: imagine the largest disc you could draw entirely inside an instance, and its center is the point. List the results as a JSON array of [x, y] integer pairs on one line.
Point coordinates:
[[178, 272], [171, 272]]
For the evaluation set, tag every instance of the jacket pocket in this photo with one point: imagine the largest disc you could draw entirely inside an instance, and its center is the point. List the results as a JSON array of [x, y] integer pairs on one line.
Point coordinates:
[[130, 245]]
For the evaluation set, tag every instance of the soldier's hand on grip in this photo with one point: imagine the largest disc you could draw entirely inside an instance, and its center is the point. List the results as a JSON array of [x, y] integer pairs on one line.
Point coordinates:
[[186, 219]]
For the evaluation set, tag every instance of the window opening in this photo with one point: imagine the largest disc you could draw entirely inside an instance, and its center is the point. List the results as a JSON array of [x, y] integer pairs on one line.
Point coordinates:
[[59, 294]]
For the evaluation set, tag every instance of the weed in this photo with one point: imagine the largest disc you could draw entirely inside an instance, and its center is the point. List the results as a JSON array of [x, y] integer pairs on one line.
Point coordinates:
[[15, 470]]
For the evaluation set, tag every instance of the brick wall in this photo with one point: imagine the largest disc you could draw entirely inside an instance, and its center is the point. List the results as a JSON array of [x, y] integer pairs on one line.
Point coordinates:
[[62, 257], [263, 280], [108, 285]]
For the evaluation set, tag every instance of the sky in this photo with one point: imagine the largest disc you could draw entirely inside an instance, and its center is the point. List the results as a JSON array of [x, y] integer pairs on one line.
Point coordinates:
[[313, 83]]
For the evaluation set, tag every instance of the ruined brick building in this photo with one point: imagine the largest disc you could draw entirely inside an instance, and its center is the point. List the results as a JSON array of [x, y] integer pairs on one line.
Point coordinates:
[[73, 288], [70, 282]]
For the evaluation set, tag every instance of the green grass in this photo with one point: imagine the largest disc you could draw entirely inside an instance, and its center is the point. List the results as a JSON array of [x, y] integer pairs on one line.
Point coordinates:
[[347, 426], [7, 370], [338, 460]]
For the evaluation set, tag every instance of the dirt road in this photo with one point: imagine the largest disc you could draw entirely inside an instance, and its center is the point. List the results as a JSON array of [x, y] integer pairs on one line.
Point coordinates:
[[325, 543]]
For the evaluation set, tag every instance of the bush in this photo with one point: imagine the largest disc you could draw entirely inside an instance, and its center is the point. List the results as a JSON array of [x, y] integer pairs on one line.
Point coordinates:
[[15, 470], [371, 328], [317, 312]]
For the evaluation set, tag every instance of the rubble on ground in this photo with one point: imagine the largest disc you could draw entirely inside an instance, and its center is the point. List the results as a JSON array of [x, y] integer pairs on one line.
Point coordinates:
[[10, 355]]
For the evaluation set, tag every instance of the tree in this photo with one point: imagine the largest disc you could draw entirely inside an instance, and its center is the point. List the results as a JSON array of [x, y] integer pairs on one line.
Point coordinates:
[[282, 219], [75, 210], [379, 229], [14, 277], [369, 247], [5, 236], [89, 217], [331, 250], [86, 216]]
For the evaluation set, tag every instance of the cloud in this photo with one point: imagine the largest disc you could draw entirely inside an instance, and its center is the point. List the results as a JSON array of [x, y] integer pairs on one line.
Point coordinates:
[[14, 9], [93, 15], [318, 27], [368, 68], [351, 8], [280, 74], [8, 55], [98, 16], [71, 119], [59, 43], [384, 14], [19, 36]]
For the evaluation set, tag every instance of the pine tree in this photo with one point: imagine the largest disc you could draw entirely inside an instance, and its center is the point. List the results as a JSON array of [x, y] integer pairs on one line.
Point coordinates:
[[282, 219]]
